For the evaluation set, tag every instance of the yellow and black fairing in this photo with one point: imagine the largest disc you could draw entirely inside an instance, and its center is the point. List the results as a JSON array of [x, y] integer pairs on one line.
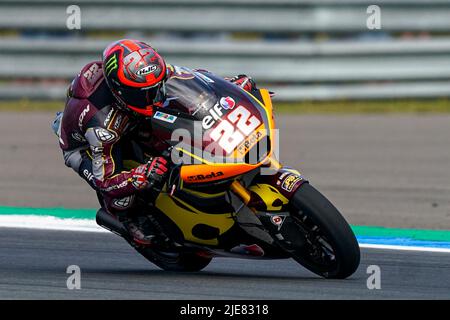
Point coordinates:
[[202, 216], [271, 193], [199, 207]]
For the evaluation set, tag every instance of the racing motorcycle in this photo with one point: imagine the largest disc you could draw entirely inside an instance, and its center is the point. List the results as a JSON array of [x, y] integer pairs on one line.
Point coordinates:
[[227, 195]]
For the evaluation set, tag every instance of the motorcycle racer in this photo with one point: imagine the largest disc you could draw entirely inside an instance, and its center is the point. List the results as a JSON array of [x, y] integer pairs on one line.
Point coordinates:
[[106, 113]]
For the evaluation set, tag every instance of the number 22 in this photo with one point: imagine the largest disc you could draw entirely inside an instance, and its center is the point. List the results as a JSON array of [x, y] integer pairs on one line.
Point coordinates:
[[225, 133]]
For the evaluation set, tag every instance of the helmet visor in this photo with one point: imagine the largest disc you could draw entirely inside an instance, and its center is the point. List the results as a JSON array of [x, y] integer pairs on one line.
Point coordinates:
[[143, 97]]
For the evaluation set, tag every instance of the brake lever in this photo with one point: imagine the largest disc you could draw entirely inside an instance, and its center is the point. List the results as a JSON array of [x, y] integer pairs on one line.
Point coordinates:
[[174, 181]]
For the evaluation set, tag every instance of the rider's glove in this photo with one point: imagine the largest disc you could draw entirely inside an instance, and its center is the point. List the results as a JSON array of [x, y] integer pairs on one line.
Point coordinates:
[[243, 81], [150, 175]]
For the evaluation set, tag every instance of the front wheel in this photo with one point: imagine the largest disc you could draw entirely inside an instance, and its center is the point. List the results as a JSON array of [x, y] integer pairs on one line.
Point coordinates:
[[330, 247]]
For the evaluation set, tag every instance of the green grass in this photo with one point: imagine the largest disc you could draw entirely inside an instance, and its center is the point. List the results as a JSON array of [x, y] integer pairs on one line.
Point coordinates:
[[304, 107], [28, 105]]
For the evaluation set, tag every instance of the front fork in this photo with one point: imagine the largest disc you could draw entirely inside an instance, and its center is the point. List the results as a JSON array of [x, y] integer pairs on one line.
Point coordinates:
[[268, 197], [270, 192]]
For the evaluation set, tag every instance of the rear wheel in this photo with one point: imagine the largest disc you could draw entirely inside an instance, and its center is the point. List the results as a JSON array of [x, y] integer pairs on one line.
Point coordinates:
[[175, 261], [330, 248]]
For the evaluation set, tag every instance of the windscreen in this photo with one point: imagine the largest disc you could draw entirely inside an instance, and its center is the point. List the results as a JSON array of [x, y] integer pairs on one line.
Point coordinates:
[[231, 122], [191, 95]]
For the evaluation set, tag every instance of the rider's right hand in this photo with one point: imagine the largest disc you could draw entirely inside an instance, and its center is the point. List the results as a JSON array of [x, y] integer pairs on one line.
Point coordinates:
[[150, 175]]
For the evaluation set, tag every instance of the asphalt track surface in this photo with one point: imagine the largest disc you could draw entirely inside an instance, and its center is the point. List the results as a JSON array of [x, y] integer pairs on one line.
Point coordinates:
[[33, 265], [388, 171]]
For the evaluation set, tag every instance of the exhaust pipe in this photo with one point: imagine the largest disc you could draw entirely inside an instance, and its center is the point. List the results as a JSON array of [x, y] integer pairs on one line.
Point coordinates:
[[109, 222]]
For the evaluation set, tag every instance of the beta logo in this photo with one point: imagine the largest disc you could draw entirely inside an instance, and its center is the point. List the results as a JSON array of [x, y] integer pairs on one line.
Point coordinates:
[[201, 177], [249, 142], [227, 103]]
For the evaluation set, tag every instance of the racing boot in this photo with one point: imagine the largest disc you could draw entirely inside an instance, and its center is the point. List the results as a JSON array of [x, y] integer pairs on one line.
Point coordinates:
[[144, 232]]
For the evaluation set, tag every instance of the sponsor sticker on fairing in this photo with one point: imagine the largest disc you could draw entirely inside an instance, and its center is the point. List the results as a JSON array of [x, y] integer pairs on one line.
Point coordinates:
[[165, 117], [202, 177], [277, 220], [227, 103], [290, 181], [244, 147]]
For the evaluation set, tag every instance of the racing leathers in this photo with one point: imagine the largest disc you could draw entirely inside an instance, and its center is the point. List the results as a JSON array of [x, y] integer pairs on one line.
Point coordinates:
[[97, 137], [91, 135]]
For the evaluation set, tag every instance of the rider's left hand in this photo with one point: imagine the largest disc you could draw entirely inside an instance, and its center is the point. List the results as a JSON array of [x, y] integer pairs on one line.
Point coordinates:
[[244, 81]]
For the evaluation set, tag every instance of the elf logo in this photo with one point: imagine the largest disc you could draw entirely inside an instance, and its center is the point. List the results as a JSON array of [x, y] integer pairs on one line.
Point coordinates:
[[215, 114], [88, 175], [201, 177]]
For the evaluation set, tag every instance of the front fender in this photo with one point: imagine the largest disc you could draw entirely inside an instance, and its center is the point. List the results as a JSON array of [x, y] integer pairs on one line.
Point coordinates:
[[273, 192]]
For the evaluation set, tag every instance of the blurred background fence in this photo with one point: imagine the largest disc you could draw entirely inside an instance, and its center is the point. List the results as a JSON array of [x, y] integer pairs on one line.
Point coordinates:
[[301, 49]]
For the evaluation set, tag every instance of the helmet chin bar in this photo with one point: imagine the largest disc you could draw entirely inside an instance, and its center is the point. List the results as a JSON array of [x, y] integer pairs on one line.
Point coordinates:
[[148, 111], [142, 110]]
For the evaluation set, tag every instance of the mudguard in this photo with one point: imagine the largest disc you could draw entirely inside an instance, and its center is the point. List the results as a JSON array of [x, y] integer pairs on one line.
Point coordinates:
[[273, 192]]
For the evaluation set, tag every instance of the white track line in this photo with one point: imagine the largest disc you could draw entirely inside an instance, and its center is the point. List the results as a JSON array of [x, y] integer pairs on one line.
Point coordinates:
[[403, 248], [49, 223], [86, 225]]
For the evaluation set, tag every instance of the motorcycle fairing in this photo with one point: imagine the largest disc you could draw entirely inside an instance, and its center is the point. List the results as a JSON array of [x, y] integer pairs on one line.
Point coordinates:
[[211, 170], [273, 192], [204, 102], [196, 225], [204, 218]]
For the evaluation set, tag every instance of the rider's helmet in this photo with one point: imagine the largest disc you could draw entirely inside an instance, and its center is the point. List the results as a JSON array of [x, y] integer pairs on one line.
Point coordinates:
[[136, 74]]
